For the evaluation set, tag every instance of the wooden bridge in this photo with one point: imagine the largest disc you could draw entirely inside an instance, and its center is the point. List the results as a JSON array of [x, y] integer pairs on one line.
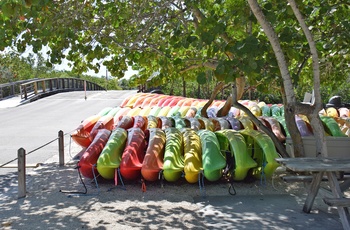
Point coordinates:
[[36, 88]]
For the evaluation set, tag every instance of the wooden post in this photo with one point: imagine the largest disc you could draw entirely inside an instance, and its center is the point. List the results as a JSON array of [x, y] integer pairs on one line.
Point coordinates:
[[22, 190], [61, 148]]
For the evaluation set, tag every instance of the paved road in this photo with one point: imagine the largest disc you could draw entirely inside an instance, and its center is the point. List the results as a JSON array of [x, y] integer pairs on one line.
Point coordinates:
[[35, 124]]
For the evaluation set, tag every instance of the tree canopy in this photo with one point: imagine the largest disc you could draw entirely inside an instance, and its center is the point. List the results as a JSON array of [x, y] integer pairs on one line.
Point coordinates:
[[191, 39]]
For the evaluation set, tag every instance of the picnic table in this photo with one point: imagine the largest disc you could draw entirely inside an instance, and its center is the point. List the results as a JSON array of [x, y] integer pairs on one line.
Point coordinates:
[[319, 167]]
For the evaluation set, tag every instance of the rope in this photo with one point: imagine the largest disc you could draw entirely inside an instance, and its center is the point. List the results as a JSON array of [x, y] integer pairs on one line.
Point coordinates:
[[29, 152], [143, 186], [34, 149], [231, 187], [201, 184], [81, 180], [78, 193], [161, 178], [263, 176]]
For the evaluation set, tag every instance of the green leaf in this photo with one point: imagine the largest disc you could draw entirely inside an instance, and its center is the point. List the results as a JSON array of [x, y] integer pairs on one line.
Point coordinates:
[[201, 78]]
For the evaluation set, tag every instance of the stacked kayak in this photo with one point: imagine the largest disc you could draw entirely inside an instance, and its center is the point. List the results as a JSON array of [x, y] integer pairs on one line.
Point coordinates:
[[150, 135]]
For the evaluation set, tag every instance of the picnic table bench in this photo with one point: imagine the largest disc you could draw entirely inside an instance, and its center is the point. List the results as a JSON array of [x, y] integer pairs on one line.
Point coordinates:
[[319, 167]]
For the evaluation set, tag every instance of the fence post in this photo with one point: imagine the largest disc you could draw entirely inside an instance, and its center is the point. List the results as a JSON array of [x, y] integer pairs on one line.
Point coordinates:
[[61, 148], [22, 190]]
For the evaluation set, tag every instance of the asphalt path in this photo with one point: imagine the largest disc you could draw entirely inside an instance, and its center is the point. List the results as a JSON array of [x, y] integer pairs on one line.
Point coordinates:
[[34, 126]]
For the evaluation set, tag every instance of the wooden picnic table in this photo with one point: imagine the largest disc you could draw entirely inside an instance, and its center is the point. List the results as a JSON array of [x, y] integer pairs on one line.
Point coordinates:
[[320, 167]]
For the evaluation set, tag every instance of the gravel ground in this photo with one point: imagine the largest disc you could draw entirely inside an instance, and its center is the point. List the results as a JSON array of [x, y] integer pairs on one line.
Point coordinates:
[[165, 205]]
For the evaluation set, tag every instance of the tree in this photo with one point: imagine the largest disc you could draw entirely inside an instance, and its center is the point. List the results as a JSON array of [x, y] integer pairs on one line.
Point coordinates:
[[180, 39]]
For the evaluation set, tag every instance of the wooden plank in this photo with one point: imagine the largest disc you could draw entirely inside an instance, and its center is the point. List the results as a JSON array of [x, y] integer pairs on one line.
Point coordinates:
[[314, 187], [300, 178], [342, 211], [337, 202]]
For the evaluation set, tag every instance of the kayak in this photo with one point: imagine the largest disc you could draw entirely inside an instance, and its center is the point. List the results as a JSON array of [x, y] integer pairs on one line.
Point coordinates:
[[133, 154], [213, 160], [153, 161], [111, 155], [264, 152], [173, 164], [81, 135], [89, 158], [192, 155], [233, 142]]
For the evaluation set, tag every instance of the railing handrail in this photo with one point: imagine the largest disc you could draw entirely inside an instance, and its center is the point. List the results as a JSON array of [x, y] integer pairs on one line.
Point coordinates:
[[34, 88]]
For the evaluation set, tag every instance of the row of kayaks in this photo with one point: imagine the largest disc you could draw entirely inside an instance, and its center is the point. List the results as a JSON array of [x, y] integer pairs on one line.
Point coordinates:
[[336, 121], [159, 135], [178, 152]]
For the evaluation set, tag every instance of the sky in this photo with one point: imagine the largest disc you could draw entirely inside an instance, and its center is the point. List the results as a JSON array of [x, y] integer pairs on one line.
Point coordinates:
[[64, 65]]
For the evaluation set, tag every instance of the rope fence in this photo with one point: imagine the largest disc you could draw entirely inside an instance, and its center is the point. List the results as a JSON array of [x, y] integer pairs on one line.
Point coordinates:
[[21, 162]]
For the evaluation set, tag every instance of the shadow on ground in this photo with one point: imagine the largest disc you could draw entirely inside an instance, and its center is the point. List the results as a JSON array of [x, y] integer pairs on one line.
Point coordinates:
[[172, 206]]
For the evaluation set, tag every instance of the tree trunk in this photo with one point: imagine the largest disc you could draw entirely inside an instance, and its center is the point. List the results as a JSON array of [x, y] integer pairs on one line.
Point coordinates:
[[279, 146], [183, 86], [312, 112], [290, 101]]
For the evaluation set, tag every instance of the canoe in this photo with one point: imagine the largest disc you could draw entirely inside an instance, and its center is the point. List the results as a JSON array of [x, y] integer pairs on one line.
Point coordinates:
[[164, 111], [181, 122], [105, 122], [275, 110], [167, 122], [195, 123], [133, 154], [331, 127], [147, 100], [155, 110], [163, 100], [155, 100], [153, 122], [111, 155], [192, 111], [234, 123], [207, 123], [126, 122], [89, 158], [192, 155], [104, 111], [213, 160], [139, 101], [304, 127], [81, 135], [120, 113], [173, 162], [273, 124], [134, 111], [133, 99], [145, 111], [239, 161], [264, 152], [183, 110], [219, 123], [153, 161], [246, 122], [174, 101], [140, 122], [174, 111]]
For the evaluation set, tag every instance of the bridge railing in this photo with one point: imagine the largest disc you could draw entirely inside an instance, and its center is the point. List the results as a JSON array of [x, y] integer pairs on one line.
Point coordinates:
[[35, 88]]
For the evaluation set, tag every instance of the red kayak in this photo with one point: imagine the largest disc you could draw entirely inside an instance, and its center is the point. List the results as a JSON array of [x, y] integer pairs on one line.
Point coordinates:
[[133, 155], [82, 133], [125, 122], [91, 154], [153, 162], [105, 122], [140, 122]]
